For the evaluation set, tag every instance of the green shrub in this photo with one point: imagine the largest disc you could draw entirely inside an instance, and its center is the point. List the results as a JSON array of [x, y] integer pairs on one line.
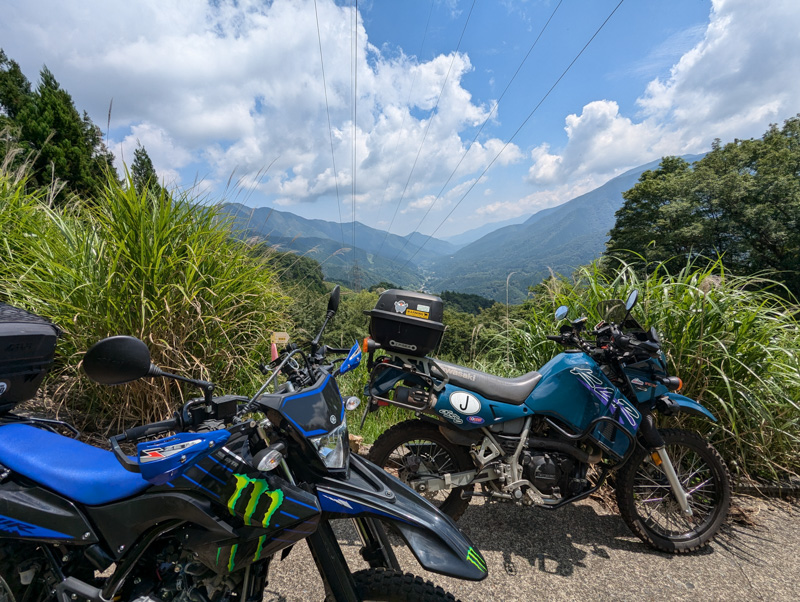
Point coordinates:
[[160, 267]]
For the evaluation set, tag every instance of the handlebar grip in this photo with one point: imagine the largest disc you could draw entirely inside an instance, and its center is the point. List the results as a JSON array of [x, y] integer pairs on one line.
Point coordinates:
[[336, 350], [557, 338], [622, 340], [155, 428]]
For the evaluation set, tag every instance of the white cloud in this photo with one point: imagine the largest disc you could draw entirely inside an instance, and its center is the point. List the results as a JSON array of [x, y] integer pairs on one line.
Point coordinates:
[[541, 199], [239, 85], [162, 150], [739, 78]]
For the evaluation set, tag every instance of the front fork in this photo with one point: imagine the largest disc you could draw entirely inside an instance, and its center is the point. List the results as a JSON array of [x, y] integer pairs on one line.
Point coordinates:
[[669, 470], [658, 452]]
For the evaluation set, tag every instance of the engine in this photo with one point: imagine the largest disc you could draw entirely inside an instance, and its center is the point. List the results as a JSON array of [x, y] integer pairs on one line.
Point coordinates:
[[554, 473], [173, 574]]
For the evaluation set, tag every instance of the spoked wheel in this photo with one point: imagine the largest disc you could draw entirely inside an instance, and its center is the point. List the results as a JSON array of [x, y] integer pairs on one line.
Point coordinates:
[[649, 507], [6, 595], [414, 449]]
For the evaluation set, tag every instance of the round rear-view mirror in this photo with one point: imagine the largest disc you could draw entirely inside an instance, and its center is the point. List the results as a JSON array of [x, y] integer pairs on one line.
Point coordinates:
[[117, 360], [562, 312]]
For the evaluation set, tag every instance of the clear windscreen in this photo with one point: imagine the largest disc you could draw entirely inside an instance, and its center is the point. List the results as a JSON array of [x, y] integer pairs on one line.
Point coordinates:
[[614, 311]]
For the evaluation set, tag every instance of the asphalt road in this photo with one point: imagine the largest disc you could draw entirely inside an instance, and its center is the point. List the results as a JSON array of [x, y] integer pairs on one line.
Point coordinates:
[[586, 552]]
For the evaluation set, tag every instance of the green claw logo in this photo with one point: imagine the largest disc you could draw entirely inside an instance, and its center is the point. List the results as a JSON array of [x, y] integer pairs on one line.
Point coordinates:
[[476, 559], [257, 489]]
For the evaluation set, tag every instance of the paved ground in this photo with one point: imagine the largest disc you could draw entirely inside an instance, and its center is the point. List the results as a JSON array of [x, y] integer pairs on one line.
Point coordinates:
[[585, 551]]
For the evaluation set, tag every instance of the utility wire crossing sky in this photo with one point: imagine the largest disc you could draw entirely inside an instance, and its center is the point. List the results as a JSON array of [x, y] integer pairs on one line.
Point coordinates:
[[397, 112]]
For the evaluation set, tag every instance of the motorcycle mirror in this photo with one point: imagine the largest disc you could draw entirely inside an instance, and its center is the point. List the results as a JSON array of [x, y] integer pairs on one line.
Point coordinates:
[[117, 360], [333, 305], [562, 312], [333, 301], [632, 299]]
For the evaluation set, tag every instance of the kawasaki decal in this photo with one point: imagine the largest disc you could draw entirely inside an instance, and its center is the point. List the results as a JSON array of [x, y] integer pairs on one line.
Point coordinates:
[[617, 406], [476, 559], [248, 497]]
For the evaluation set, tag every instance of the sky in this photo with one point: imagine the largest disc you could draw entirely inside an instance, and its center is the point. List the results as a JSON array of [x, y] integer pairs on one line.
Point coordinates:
[[431, 115]]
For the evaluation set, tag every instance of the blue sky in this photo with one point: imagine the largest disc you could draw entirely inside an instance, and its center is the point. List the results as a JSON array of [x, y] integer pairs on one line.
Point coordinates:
[[229, 96]]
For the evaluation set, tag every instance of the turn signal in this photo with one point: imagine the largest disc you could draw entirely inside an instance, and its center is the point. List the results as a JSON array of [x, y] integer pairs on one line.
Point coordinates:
[[370, 345], [673, 383]]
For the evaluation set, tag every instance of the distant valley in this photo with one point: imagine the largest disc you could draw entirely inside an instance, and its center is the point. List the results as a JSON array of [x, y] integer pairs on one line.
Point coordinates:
[[479, 261]]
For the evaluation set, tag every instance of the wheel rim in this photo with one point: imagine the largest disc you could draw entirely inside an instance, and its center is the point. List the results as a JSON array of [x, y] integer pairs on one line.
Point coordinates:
[[420, 458], [5, 592], [656, 504]]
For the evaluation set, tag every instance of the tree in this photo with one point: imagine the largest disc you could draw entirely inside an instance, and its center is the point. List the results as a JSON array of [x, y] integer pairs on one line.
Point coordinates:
[[64, 144], [740, 202], [143, 173], [15, 89], [647, 222]]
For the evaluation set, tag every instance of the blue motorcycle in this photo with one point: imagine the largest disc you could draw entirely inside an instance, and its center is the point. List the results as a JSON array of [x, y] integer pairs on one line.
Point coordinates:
[[200, 514], [552, 436]]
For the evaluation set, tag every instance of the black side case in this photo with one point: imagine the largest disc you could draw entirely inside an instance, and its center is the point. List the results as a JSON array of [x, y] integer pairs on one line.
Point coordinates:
[[27, 345]]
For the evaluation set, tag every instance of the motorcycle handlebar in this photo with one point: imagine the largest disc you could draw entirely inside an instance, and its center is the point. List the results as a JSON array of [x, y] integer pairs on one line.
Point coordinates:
[[139, 432], [336, 350], [154, 428]]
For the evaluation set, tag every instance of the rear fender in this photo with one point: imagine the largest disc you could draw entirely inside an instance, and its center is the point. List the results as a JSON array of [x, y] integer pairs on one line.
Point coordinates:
[[690, 406], [435, 540]]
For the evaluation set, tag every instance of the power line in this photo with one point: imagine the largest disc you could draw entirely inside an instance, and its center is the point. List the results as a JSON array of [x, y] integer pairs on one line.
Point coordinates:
[[354, 56], [430, 121], [403, 123], [510, 140], [330, 129], [356, 283], [488, 117]]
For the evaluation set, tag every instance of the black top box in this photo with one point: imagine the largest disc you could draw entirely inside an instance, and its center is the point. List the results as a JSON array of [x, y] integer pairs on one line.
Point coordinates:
[[27, 345], [407, 322]]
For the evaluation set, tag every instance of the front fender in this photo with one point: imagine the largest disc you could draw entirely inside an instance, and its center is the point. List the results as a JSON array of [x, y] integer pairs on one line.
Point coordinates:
[[690, 406], [433, 537]]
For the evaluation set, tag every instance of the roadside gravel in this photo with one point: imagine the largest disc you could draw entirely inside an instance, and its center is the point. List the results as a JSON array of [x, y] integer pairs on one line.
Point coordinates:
[[585, 551]]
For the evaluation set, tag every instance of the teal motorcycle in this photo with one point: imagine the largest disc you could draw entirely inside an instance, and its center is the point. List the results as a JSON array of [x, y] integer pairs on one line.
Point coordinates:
[[552, 436]]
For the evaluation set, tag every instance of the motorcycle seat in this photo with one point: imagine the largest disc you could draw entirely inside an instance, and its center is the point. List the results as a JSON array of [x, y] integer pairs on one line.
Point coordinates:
[[76, 470], [507, 390]]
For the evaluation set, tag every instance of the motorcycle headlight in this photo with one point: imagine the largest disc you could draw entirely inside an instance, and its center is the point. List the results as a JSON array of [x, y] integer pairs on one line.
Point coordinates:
[[333, 447]]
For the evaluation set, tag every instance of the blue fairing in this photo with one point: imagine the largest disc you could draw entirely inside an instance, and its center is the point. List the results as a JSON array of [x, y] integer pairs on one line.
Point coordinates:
[[690, 406], [74, 469], [162, 460]]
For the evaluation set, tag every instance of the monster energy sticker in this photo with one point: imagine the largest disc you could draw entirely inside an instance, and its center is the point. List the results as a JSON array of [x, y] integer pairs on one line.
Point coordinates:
[[231, 562], [476, 559], [253, 501]]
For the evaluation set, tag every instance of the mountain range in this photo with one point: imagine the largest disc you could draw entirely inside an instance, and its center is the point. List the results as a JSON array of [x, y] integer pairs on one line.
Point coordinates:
[[479, 261]]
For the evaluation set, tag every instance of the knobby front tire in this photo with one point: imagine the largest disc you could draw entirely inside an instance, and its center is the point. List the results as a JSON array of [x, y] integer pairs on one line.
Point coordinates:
[[649, 507], [392, 586]]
